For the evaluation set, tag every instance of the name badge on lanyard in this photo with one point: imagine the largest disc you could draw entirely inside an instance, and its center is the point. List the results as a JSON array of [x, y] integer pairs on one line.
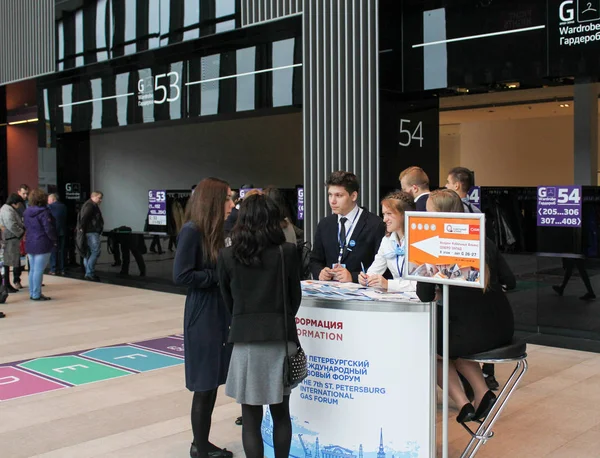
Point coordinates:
[[348, 243]]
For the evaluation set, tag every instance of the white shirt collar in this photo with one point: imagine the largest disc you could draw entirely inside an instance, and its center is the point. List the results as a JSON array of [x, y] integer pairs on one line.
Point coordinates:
[[394, 237], [422, 195], [350, 216]]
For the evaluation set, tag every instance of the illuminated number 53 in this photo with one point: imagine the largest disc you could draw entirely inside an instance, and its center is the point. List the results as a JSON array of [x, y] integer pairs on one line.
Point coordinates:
[[417, 134], [163, 88]]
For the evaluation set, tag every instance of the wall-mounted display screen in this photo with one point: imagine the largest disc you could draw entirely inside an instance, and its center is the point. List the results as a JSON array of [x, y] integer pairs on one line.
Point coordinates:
[[467, 43], [264, 76]]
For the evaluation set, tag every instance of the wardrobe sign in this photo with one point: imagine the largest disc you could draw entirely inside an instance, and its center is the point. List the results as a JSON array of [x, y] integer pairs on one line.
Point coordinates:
[[157, 208], [559, 206]]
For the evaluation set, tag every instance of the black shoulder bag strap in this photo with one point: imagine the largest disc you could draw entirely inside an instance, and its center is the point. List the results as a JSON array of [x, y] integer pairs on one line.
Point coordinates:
[[285, 299]]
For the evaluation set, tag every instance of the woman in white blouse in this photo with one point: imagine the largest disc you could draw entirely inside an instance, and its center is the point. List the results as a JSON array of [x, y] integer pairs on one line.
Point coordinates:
[[392, 249]]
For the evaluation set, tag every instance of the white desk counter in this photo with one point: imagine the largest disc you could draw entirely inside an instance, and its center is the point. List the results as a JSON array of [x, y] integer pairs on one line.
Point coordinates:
[[370, 392]]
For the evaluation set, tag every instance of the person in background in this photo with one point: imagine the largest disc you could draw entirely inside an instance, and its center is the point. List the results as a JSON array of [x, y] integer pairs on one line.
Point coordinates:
[[91, 223], [206, 320], [122, 242], [461, 180], [23, 192], [348, 239], [59, 212], [391, 254], [155, 245], [286, 222], [41, 240], [13, 231], [255, 261], [568, 265], [415, 182], [480, 320], [232, 218]]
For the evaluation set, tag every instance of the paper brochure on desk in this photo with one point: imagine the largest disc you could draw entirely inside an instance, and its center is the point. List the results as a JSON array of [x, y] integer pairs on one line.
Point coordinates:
[[446, 248], [334, 290]]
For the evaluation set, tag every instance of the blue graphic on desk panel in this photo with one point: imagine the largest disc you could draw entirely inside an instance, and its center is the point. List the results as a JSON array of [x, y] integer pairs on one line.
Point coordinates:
[[133, 358], [302, 447]]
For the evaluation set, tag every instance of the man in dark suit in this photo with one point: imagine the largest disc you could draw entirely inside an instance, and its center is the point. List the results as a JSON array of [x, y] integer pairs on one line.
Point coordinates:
[[415, 181], [348, 238], [59, 212]]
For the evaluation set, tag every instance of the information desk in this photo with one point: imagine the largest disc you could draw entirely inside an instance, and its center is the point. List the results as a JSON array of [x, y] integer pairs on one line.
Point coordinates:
[[370, 392]]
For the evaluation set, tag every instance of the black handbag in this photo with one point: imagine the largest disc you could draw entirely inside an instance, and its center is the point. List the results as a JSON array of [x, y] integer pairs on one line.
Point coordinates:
[[295, 366]]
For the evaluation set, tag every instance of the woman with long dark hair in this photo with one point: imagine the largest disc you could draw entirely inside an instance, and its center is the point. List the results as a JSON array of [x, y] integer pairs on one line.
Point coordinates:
[[253, 287], [480, 320], [206, 321]]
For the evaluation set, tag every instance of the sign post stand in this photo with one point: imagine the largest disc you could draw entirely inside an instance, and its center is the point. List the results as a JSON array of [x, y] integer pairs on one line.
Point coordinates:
[[445, 367], [445, 249]]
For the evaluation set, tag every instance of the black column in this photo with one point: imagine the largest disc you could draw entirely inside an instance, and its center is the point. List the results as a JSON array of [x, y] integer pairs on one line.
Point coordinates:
[[73, 166], [142, 25], [89, 34], [264, 81], [409, 136], [3, 148], [228, 87]]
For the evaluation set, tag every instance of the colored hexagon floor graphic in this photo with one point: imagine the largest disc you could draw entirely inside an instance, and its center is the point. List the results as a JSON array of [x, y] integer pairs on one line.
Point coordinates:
[[39, 375]]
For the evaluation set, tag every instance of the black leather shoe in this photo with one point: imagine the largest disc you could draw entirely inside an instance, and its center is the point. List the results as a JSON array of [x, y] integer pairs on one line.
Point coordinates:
[[486, 404], [558, 289], [41, 298], [492, 383], [2, 315], [12, 290], [238, 421], [467, 413], [588, 297], [215, 451]]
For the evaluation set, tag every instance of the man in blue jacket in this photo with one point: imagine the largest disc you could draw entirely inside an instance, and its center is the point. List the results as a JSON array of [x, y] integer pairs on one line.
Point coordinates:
[[59, 212]]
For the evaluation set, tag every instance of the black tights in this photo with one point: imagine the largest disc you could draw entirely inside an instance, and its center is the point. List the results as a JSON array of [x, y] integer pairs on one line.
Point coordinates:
[[282, 429], [203, 405]]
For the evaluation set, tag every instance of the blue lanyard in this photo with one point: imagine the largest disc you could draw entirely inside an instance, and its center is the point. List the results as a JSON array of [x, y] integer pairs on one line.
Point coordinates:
[[398, 265], [347, 233], [398, 248]]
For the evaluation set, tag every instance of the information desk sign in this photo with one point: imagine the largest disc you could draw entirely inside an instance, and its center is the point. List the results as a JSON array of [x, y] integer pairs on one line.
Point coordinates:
[[559, 206], [446, 248], [157, 208]]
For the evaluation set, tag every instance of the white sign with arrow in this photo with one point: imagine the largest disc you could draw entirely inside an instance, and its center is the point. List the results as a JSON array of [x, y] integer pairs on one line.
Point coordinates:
[[436, 246]]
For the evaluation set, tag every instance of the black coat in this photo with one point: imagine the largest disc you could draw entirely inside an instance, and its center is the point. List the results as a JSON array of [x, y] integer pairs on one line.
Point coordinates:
[[254, 295], [206, 320], [367, 236], [421, 203]]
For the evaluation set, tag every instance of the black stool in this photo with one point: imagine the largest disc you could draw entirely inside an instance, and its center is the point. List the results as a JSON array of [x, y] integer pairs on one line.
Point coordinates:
[[516, 351]]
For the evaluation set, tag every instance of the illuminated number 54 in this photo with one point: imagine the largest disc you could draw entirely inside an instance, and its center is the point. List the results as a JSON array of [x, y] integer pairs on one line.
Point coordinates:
[[417, 134], [163, 88], [564, 196]]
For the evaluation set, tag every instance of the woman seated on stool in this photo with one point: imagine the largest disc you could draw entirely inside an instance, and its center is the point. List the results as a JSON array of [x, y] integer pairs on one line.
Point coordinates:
[[391, 251], [480, 320]]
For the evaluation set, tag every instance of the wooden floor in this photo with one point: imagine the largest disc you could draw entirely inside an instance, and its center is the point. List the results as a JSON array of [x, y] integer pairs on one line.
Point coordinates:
[[554, 414]]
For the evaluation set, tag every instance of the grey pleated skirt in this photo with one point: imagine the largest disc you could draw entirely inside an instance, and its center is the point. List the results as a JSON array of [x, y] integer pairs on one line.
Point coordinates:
[[256, 373]]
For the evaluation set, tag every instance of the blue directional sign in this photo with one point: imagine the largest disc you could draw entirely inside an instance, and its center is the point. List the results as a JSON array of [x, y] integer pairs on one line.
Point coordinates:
[[133, 358]]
